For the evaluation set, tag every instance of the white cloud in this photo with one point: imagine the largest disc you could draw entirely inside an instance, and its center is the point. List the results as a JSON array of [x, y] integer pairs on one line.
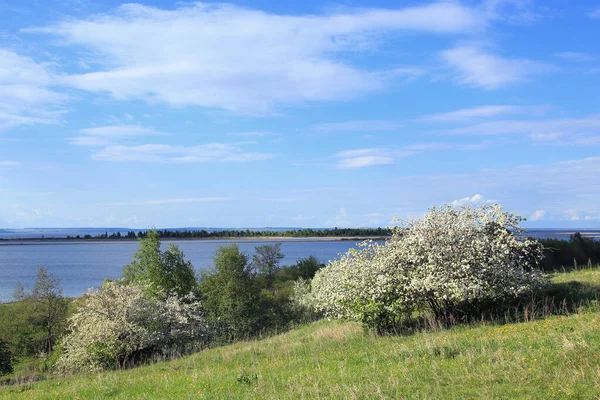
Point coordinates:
[[166, 201], [536, 129], [10, 163], [595, 13], [282, 199], [25, 94], [134, 219], [482, 112], [360, 158], [575, 214], [107, 135], [476, 199], [364, 161], [161, 153], [301, 217], [477, 67], [242, 60], [352, 126], [251, 134], [341, 219], [575, 56], [537, 215]]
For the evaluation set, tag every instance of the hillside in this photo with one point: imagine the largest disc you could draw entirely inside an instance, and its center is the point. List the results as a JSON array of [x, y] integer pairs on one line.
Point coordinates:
[[558, 357]]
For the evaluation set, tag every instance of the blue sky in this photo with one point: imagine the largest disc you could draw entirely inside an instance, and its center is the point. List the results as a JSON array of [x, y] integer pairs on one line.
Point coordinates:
[[264, 113]]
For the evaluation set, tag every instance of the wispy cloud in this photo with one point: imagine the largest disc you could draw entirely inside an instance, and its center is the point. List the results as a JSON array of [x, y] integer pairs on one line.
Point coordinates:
[[477, 67], [564, 131], [594, 13], [10, 163], [26, 97], [161, 153], [165, 201], [360, 126], [243, 60], [301, 217], [360, 158], [251, 134], [282, 199], [575, 56], [487, 111], [108, 135]]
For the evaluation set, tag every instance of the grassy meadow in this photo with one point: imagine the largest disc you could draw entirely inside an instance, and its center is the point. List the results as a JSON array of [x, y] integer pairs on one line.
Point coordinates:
[[554, 357]]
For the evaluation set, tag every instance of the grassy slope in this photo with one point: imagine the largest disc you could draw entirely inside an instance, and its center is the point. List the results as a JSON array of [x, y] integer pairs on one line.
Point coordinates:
[[558, 357]]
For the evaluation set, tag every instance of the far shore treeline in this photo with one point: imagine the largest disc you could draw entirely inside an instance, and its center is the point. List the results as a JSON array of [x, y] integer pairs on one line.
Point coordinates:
[[231, 233]]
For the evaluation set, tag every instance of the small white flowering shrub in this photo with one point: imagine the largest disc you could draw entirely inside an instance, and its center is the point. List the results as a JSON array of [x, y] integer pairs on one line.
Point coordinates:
[[447, 262], [368, 284], [122, 323]]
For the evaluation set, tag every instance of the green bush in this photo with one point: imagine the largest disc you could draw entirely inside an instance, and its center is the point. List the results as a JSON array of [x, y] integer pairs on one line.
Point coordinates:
[[166, 272], [230, 295], [6, 359]]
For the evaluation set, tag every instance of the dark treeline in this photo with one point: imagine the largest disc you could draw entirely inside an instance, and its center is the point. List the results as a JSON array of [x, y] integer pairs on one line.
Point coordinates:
[[570, 254], [204, 234]]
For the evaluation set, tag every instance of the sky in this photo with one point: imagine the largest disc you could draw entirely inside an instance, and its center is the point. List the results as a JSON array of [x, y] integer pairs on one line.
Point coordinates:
[[297, 114]]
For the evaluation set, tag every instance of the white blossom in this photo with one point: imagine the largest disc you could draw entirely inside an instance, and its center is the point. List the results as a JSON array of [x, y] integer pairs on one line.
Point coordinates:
[[449, 258]]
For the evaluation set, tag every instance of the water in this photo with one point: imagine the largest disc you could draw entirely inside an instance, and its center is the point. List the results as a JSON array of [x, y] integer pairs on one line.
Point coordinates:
[[82, 265]]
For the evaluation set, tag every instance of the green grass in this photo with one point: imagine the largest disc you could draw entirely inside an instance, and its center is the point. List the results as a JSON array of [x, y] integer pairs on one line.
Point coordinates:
[[558, 357]]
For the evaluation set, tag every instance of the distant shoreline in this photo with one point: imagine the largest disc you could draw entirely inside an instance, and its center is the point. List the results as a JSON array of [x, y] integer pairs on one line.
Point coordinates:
[[33, 241]]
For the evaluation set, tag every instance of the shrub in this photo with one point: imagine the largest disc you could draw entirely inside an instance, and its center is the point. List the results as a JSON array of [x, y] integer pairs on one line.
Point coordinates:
[[447, 263], [369, 284], [122, 324]]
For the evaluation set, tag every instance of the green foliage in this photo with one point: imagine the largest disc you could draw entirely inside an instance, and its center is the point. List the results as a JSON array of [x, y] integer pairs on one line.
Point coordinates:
[[165, 272], [266, 262], [306, 268], [556, 357], [50, 308], [6, 359], [37, 320], [230, 295], [570, 254]]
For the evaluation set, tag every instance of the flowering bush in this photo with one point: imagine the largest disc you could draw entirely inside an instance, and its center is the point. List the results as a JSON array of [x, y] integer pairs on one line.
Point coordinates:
[[123, 323], [446, 262]]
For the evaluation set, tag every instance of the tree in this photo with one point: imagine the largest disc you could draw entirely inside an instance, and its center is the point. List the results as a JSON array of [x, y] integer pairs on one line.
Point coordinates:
[[306, 268], [449, 263], [266, 262], [230, 295], [6, 359], [45, 309], [166, 272], [52, 306]]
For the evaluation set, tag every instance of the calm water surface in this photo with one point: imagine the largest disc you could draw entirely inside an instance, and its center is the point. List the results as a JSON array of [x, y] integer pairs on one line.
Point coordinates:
[[82, 265]]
